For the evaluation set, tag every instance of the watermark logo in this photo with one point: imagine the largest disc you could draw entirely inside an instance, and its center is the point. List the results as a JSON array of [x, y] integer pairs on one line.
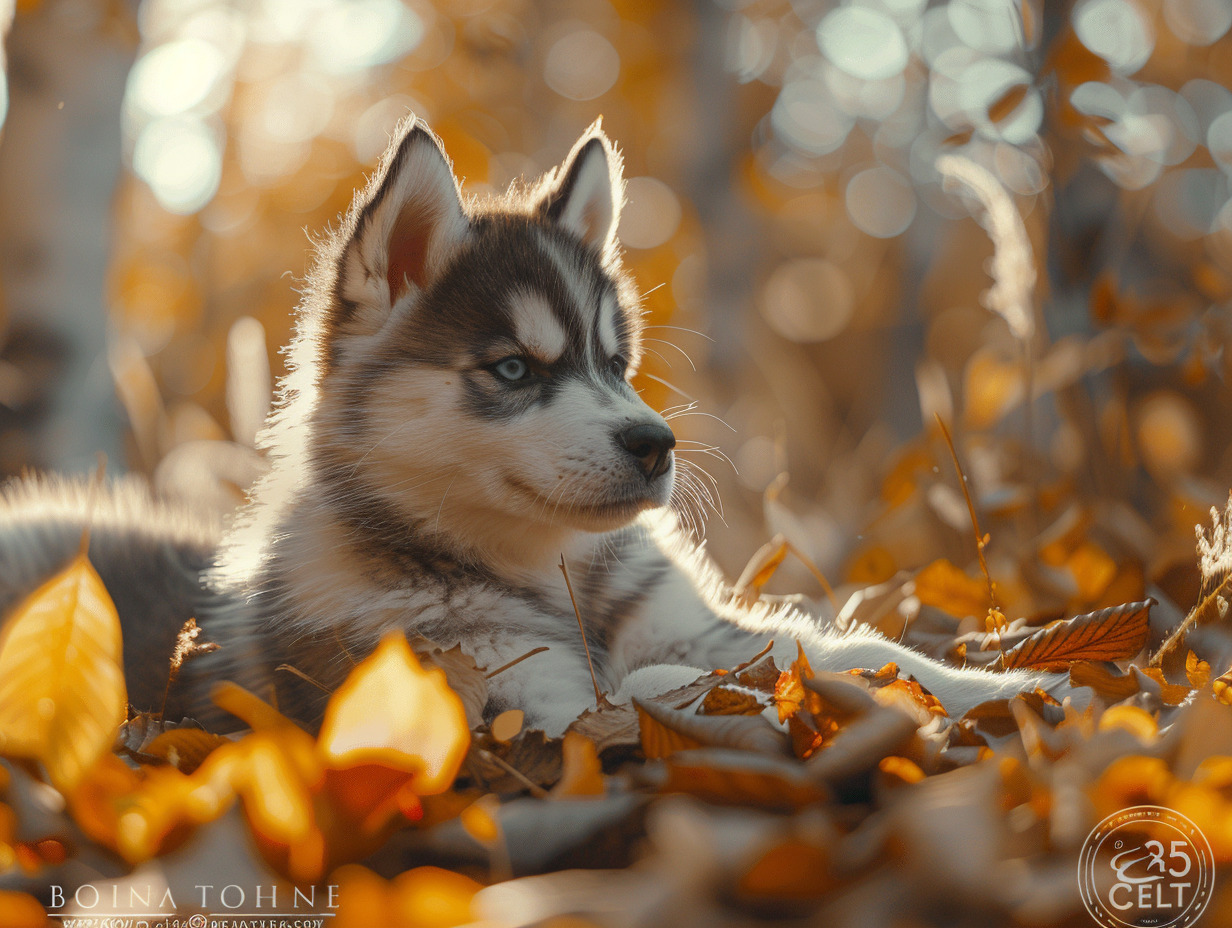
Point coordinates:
[[1146, 867]]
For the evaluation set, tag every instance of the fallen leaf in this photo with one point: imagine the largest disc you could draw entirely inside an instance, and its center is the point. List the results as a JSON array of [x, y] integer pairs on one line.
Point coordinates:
[[731, 700], [1198, 671], [184, 748], [789, 692], [581, 772], [665, 731], [465, 677], [742, 778], [949, 589], [787, 877], [421, 727], [861, 745], [1112, 686], [62, 694], [1108, 635]]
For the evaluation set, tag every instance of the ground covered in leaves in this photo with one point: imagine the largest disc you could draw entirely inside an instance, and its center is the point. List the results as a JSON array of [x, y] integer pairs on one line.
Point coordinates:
[[757, 792]]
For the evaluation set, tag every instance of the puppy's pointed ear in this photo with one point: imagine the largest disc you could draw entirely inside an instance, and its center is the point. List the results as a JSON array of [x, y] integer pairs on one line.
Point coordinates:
[[402, 229], [587, 192]]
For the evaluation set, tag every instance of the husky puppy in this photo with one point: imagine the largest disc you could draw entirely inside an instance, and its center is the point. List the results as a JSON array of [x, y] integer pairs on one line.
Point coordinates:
[[457, 418]]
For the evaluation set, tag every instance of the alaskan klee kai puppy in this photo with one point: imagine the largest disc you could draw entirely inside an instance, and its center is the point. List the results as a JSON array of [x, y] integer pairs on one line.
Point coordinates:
[[457, 416]]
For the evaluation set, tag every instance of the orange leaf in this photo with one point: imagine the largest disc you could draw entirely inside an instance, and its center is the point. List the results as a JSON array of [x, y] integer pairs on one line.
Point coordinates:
[[184, 748], [791, 872], [1108, 635], [1112, 686], [581, 773], [21, 910], [789, 691], [1198, 671]]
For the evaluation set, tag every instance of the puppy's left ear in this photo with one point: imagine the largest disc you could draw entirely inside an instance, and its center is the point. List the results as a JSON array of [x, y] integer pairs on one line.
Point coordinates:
[[587, 192]]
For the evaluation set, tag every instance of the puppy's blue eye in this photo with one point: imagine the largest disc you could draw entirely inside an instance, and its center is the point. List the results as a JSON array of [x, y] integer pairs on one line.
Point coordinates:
[[511, 369]]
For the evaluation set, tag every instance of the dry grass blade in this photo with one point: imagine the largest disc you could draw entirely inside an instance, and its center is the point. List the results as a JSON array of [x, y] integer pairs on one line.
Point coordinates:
[[981, 540], [1108, 635], [1215, 562]]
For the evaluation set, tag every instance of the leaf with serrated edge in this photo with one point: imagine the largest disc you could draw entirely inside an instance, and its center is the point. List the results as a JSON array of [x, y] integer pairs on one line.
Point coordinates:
[[1108, 635], [62, 694]]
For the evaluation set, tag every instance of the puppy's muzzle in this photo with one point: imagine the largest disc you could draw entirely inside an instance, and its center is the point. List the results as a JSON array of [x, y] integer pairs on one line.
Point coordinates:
[[650, 445]]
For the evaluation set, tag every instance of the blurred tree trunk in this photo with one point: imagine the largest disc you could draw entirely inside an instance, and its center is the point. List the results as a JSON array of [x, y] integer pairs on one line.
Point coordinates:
[[59, 161]]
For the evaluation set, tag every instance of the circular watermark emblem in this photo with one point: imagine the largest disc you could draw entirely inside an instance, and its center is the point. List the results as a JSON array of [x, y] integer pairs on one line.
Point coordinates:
[[1146, 867]]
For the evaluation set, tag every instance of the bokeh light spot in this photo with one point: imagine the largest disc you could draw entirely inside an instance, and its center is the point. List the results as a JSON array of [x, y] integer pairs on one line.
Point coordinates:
[[881, 202], [582, 65], [863, 42], [174, 77], [989, 25], [806, 117], [1198, 22], [651, 214], [1169, 434], [808, 300], [1117, 31], [180, 159], [350, 37]]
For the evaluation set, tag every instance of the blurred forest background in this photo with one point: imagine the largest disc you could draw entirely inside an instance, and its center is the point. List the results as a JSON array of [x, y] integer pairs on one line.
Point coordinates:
[[825, 290]]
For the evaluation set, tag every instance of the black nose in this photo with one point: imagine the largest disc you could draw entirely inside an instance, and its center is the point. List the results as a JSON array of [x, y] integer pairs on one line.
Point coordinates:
[[652, 445]]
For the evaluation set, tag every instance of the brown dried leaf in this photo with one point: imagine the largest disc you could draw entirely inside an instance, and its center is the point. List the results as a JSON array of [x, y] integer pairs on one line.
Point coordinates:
[[731, 700], [665, 731], [862, 745], [761, 676], [741, 778], [1107, 635]]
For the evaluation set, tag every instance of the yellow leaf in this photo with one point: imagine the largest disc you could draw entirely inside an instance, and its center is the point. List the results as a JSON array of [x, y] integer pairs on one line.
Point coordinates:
[[62, 691], [392, 712], [947, 587]]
